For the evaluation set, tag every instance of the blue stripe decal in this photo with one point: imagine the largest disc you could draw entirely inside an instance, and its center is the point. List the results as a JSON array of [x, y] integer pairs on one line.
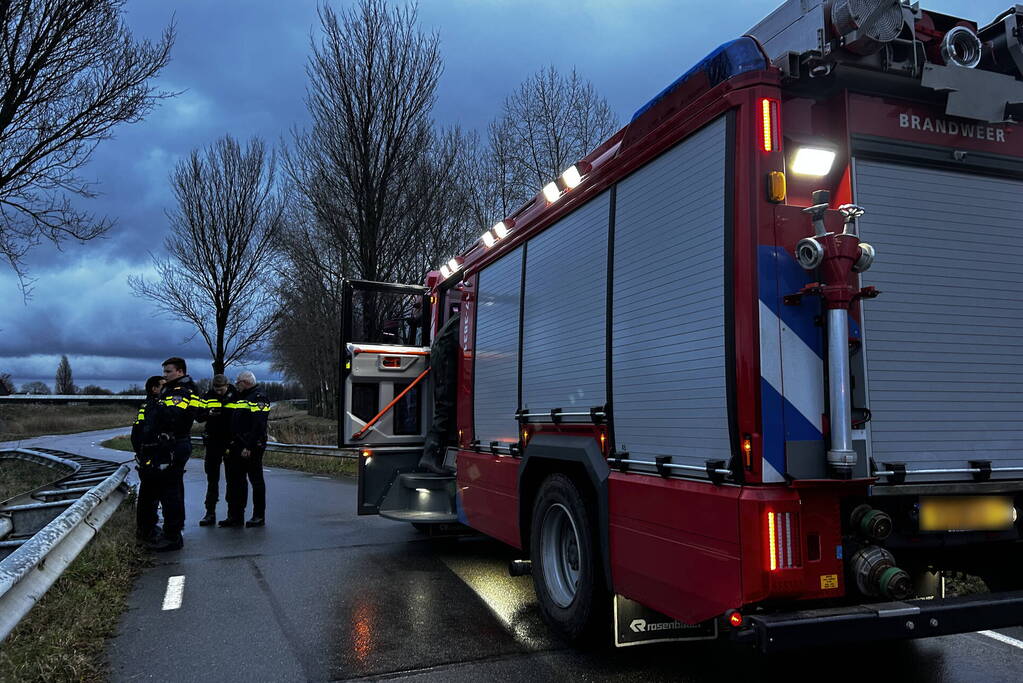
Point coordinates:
[[774, 432], [779, 275], [797, 427]]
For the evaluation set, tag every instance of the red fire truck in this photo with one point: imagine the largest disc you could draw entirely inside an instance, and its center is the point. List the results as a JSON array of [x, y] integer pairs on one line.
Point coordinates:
[[754, 362]]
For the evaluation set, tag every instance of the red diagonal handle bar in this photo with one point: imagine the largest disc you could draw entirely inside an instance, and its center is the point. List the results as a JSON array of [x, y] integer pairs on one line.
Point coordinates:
[[362, 432]]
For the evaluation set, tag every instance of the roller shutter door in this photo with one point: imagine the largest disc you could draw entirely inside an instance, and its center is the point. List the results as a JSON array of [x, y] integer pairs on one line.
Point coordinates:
[[668, 331], [944, 341], [564, 347], [496, 385]]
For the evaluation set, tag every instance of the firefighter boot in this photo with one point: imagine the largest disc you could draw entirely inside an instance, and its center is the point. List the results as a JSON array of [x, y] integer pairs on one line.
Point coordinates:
[[432, 453]]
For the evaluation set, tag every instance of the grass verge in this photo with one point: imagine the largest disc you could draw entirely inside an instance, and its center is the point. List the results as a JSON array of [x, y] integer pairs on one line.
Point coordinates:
[[314, 464], [18, 476], [63, 637], [290, 425], [25, 421]]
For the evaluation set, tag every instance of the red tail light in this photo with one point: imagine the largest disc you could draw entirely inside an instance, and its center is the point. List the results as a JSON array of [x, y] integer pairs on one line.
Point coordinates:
[[769, 125], [782, 540]]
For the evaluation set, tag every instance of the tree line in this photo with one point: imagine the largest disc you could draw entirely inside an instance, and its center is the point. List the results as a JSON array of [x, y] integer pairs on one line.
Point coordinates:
[[64, 385]]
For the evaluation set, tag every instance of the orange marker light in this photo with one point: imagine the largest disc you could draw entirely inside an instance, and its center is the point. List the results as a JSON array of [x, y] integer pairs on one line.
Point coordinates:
[[747, 450], [771, 538]]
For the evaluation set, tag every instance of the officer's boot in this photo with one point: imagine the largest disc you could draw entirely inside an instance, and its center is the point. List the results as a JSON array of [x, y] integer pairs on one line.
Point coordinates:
[[210, 519]]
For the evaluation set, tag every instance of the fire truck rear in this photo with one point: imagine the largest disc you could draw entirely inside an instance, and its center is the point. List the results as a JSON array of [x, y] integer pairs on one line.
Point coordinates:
[[753, 364]]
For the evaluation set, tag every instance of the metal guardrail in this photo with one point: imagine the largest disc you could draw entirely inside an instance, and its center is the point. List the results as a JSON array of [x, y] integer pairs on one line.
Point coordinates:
[[305, 449], [42, 532]]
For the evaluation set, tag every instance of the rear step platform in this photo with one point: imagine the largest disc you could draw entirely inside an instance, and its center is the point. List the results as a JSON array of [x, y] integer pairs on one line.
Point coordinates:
[[421, 497]]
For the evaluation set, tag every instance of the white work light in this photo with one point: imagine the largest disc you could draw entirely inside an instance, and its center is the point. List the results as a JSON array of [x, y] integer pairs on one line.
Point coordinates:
[[445, 272], [500, 229], [454, 265], [551, 192], [813, 161], [488, 239], [571, 177]]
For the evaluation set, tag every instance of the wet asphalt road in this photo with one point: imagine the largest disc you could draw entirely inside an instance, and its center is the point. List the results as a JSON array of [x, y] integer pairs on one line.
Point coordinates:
[[322, 594]]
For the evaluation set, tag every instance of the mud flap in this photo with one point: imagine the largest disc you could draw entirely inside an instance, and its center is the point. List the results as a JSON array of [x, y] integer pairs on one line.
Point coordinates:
[[639, 625]]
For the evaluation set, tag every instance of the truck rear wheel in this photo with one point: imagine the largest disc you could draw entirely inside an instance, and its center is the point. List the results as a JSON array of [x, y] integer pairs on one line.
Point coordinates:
[[567, 571]]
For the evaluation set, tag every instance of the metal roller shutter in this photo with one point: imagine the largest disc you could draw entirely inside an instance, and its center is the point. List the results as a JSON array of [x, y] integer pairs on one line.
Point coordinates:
[[496, 385], [668, 329], [944, 341], [564, 329]]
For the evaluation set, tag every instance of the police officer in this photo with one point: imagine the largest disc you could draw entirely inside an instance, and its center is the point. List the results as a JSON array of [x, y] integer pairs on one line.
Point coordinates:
[[217, 439], [174, 415], [250, 411], [444, 372], [143, 442]]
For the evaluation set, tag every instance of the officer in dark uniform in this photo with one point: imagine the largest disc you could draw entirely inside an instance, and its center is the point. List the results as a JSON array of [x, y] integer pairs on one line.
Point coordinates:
[[174, 415], [217, 439], [444, 372], [143, 441], [249, 411]]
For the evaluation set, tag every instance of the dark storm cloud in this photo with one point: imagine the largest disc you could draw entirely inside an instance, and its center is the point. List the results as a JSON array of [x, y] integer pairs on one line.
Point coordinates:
[[240, 65]]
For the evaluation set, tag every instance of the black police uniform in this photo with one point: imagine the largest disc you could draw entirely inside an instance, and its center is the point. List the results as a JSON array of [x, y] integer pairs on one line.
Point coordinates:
[[143, 441], [249, 411], [217, 439], [444, 372], [174, 415]]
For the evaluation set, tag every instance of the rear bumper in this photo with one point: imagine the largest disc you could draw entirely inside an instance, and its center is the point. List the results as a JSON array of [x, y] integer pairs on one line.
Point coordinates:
[[882, 621]]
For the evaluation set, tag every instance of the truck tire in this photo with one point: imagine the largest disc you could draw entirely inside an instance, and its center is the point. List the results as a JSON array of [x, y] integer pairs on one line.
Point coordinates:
[[566, 565]]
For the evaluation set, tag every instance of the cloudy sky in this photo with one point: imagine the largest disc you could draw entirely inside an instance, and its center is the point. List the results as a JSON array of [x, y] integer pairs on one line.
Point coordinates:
[[241, 67]]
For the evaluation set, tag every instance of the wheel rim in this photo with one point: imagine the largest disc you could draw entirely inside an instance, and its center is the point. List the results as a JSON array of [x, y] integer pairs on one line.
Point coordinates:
[[559, 546]]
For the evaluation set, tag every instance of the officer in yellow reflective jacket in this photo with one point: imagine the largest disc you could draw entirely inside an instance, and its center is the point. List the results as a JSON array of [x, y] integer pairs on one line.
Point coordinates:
[[172, 425], [250, 411], [216, 439], [142, 442]]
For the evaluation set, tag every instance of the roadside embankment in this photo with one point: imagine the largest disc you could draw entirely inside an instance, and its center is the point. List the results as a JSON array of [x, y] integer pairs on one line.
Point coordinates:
[[18, 476], [63, 637]]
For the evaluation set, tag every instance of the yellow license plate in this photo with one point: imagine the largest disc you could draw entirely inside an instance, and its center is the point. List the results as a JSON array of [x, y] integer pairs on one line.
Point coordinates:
[[966, 513]]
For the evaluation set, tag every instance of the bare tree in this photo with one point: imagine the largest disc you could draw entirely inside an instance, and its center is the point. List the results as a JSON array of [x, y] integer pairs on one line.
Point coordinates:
[[70, 71], [305, 340], [372, 167], [548, 123], [6, 384], [221, 248], [64, 383]]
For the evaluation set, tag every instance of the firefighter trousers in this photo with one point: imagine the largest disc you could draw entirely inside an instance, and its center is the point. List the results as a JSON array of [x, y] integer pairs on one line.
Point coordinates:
[[240, 473]]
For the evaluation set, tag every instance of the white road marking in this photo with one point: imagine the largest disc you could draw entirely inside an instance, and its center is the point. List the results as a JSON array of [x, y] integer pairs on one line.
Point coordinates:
[[1002, 638], [175, 591], [316, 476]]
